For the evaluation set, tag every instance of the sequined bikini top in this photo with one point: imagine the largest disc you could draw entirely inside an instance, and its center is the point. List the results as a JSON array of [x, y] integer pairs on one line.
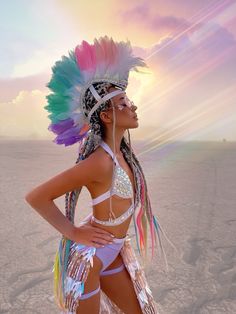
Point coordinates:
[[122, 187], [122, 184]]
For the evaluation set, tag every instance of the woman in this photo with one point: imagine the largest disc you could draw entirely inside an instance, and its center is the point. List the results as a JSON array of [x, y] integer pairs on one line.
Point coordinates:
[[95, 269]]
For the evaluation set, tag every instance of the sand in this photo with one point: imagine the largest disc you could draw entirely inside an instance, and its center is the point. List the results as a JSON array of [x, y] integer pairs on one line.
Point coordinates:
[[192, 187]]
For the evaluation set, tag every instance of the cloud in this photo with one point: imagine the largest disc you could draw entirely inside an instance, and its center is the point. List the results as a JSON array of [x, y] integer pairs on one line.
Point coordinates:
[[40, 62], [189, 63], [143, 14], [11, 87], [190, 70], [181, 54], [137, 13], [168, 24], [25, 116], [170, 19]]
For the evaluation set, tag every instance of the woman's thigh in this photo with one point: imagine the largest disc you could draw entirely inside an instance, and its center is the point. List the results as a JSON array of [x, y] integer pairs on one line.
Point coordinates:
[[92, 303], [118, 286]]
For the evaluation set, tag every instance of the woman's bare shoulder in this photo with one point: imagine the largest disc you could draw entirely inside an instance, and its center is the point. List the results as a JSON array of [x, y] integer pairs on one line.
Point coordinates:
[[100, 159], [85, 172]]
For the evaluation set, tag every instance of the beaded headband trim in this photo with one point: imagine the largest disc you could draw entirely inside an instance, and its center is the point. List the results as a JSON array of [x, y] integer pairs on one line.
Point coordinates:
[[101, 100]]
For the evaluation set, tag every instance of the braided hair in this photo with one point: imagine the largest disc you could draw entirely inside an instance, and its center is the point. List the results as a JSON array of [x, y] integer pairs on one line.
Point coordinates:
[[91, 142]]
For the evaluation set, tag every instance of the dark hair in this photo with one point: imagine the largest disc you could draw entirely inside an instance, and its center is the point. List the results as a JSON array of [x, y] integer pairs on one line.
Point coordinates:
[[96, 124]]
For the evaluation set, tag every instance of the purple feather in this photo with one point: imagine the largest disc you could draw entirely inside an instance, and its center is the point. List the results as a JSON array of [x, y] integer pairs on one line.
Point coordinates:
[[61, 126]]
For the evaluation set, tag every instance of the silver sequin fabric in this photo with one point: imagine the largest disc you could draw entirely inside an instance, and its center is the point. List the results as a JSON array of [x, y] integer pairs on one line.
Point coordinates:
[[122, 187]]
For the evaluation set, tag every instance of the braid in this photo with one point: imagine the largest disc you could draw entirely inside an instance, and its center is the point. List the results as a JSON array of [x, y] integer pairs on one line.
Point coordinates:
[[146, 195], [145, 215], [71, 197], [90, 143]]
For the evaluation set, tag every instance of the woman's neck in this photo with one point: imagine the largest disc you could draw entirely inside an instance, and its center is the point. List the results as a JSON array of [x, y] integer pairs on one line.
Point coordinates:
[[110, 143]]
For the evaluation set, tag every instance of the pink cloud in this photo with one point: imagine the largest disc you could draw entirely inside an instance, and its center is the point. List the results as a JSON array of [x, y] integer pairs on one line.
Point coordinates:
[[137, 13], [186, 52], [143, 14], [168, 23], [148, 15], [10, 88]]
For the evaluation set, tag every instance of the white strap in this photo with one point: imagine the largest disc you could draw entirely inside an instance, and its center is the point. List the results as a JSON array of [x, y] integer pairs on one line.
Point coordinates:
[[101, 99], [94, 92], [101, 197], [108, 149]]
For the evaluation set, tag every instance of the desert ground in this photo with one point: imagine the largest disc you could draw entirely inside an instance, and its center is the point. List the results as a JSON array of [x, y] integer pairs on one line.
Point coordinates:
[[192, 187]]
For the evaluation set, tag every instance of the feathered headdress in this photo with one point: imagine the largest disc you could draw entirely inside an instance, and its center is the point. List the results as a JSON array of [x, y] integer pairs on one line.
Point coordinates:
[[102, 61]]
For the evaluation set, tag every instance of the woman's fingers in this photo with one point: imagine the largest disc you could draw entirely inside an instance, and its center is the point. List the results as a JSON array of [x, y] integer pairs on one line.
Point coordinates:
[[98, 230], [96, 245], [105, 233], [102, 240], [105, 237], [94, 236]]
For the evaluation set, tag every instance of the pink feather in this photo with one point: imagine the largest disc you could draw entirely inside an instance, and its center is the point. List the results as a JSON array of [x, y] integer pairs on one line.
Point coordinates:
[[86, 56]]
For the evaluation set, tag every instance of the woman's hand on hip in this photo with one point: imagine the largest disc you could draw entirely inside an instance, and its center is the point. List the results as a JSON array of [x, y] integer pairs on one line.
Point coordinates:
[[92, 236]]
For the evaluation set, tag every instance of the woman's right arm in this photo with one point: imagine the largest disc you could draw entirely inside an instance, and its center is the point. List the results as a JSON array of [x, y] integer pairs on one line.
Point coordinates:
[[41, 199]]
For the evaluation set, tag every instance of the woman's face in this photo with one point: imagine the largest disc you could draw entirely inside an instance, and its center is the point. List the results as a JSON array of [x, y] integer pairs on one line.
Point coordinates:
[[125, 114]]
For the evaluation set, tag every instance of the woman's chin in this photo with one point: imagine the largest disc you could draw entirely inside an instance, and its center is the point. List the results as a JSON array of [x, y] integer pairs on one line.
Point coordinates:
[[134, 125]]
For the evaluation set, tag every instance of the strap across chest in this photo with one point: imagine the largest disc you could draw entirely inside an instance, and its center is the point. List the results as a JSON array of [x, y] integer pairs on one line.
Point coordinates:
[[122, 185]]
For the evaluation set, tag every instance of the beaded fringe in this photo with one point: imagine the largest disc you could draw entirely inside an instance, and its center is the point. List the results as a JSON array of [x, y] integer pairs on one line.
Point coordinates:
[[137, 274], [79, 262]]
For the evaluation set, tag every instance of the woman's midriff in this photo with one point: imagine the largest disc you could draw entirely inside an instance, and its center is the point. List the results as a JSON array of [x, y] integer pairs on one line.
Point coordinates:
[[119, 207]]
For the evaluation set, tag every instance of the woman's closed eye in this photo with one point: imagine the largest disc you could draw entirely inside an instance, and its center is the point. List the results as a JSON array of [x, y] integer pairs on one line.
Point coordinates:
[[121, 106]]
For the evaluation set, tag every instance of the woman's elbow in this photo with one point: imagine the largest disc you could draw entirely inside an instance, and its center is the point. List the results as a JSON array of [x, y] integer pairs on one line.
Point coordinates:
[[30, 198], [33, 197]]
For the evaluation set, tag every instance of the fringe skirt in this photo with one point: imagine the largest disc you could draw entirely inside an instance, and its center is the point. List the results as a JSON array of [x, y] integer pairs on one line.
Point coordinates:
[[69, 281]]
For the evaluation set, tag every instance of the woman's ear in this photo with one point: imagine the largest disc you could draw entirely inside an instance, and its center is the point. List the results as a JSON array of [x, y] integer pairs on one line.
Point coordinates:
[[105, 117]]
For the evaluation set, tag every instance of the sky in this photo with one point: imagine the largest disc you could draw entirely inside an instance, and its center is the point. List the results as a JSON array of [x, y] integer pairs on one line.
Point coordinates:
[[189, 92]]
